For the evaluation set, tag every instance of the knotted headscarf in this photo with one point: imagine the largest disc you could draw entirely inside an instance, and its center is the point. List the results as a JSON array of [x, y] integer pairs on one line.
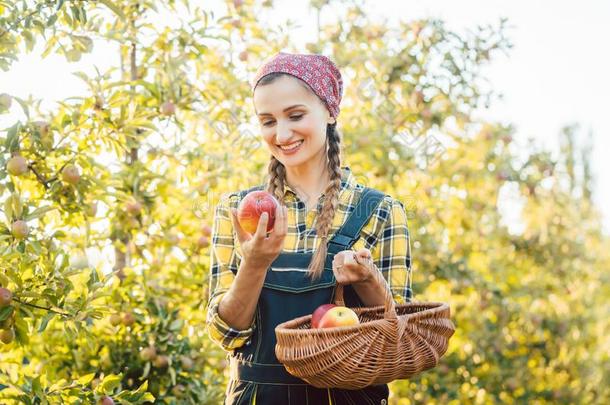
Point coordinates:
[[319, 72]]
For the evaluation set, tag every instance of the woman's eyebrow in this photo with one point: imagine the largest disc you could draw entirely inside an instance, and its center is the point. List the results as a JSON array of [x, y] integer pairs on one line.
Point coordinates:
[[285, 109]]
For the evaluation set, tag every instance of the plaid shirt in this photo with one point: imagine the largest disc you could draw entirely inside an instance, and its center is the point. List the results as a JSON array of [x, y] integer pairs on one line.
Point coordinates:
[[386, 235]]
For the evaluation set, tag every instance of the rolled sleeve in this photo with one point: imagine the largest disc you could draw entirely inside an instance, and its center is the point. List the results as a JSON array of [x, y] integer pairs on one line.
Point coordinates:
[[392, 250], [223, 263], [221, 333]]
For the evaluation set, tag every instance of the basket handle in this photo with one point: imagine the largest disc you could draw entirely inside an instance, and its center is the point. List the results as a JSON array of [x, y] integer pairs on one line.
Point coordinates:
[[389, 306]]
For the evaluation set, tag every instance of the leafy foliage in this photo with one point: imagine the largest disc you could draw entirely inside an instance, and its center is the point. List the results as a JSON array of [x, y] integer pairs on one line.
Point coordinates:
[[152, 145]]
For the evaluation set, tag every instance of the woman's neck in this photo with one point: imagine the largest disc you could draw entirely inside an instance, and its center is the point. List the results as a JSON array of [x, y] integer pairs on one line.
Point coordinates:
[[309, 181]]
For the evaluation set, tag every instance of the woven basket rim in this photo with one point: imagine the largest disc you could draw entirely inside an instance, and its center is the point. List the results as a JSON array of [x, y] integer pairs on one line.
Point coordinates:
[[291, 327]]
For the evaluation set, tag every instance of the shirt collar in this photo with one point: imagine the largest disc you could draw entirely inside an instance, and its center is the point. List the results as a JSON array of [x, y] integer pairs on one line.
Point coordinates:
[[348, 182]]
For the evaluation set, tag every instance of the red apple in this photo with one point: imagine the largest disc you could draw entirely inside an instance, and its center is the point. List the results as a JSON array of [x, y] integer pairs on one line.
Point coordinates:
[[168, 108], [5, 102], [106, 400], [6, 296], [19, 229], [17, 165], [70, 174], [186, 362], [203, 242], [252, 207], [178, 390], [115, 319], [338, 316], [7, 336], [91, 209], [161, 361], [133, 207], [206, 230], [319, 313], [128, 319], [148, 353]]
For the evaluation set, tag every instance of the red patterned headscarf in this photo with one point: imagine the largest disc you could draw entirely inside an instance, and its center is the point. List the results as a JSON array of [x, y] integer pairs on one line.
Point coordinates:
[[319, 72]]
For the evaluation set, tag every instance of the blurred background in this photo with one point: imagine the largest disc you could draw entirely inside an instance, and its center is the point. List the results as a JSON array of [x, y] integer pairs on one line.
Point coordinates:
[[484, 118]]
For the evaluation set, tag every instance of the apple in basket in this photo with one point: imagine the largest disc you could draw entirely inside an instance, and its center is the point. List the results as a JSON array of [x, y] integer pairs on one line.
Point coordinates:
[[252, 207], [338, 316], [319, 313]]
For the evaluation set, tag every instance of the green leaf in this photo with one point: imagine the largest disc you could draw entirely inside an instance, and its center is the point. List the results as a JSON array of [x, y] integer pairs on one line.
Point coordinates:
[[21, 331], [146, 370], [148, 397], [30, 294], [115, 9], [29, 40], [143, 387], [3, 279], [172, 374], [37, 388], [176, 325], [24, 107], [12, 140], [40, 211], [51, 20], [45, 321], [110, 383], [5, 312], [86, 379], [76, 13]]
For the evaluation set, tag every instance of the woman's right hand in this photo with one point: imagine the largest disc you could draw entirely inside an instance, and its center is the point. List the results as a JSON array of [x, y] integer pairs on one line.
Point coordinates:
[[259, 250]]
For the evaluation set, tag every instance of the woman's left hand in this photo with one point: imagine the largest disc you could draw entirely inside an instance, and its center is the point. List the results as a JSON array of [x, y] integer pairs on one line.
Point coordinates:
[[353, 267]]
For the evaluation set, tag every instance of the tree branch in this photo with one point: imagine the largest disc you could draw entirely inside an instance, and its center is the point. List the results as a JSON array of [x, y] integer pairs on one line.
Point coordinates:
[[41, 307]]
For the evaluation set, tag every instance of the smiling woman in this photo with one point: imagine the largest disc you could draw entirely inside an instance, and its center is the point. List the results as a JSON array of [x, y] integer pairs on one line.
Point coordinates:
[[296, 135], [259, 281]]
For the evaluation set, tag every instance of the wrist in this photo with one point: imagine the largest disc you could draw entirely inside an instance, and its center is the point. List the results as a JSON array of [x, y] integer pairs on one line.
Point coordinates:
[[369, 278], [256, 266]]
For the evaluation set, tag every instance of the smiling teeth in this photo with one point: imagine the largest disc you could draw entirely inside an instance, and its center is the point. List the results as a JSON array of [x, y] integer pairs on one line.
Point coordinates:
[[291, 146]]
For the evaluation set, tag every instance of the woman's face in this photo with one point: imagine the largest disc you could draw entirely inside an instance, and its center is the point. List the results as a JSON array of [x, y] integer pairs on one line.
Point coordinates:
[[291, 115]]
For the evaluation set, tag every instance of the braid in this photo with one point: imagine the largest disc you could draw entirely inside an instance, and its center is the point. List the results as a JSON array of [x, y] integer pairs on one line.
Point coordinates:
[[277, 179], [331, 201]]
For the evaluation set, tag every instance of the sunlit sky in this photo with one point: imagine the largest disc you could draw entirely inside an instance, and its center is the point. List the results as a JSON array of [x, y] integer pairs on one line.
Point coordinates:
[[557, 73]]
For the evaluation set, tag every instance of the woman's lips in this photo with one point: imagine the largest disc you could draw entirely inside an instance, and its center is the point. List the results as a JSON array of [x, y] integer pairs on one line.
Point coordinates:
[[293, 150]]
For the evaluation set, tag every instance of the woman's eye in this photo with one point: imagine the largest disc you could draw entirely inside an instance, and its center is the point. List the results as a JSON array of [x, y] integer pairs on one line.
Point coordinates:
[[294, 118]]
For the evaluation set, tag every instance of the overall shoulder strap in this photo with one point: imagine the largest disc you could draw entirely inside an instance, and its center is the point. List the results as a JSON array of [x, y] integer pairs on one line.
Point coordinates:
[[347, 235]]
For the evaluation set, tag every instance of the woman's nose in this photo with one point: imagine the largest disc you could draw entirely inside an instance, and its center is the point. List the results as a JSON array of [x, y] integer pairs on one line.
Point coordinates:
[[283, 132]]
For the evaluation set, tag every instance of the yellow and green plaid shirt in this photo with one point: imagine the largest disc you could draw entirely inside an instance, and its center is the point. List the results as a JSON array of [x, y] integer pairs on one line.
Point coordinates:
[[386, 234]]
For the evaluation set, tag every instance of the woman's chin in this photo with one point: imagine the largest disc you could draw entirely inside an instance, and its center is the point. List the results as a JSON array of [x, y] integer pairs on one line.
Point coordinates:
[[289, 161]]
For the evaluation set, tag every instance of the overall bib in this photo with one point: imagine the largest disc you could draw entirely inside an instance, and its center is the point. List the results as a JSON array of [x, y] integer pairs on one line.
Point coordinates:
[[256, 376]]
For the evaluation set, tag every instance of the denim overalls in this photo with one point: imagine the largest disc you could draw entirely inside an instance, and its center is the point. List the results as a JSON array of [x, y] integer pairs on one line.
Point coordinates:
[[256, 376]]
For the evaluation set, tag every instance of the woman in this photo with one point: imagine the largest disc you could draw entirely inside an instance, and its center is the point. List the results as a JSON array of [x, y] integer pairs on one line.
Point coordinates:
[[328, 230]]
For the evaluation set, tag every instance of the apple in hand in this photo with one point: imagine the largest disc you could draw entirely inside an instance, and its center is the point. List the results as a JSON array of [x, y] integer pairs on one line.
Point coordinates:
[[319, 313], [338, 316], [252, 207]]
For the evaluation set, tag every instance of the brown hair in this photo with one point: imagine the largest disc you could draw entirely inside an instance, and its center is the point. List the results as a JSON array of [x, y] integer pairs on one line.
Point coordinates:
[[277, 181]]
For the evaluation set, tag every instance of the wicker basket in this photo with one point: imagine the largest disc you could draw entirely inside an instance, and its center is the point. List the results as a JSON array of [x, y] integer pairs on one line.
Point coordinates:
[[391, 342]]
